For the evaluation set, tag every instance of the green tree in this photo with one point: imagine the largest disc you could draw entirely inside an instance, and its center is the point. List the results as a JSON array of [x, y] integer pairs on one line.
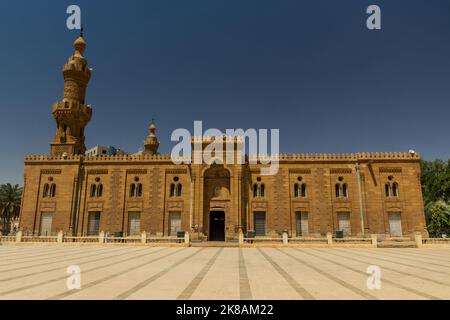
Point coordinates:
[[435, 181], [10, 200], [439, 218]]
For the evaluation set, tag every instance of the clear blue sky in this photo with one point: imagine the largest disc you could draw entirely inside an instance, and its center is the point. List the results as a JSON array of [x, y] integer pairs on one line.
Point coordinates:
[[309, 68]]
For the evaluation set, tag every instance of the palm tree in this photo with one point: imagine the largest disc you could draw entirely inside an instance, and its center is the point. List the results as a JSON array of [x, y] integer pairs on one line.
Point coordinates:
[[10, 200]]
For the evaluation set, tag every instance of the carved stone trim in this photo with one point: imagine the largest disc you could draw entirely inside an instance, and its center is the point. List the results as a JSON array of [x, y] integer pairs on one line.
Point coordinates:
[[175, 204], [259, 205], [300, 171], [390, 170], [135, 205], [51, 171], [137, 171], [95, 206], [97, 171], [48, 206], [176, 171], [340, 171]]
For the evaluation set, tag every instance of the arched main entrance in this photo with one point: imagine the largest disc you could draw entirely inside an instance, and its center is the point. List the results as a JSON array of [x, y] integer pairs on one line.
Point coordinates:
[[216, 202]]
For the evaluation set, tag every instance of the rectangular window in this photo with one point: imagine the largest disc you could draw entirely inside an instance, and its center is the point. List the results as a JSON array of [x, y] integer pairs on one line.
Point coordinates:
[[174, 223], [302, 224], [395, 224], [46, 224], [94, 224], [344, 223], [260, 223], [134, 223]]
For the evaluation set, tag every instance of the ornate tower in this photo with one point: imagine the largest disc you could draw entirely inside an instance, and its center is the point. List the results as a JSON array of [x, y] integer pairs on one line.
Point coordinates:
[[151, 144], [72, 114]]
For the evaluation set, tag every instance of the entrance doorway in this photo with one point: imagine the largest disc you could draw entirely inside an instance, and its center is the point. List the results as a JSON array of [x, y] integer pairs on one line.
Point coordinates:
[[217, 226], [395, 224]]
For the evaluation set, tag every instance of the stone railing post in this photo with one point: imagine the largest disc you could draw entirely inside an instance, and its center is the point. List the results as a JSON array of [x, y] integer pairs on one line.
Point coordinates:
[[329, 238], [19, 236], [285, 238], [101, 237], [374, 240], [60, 237], [144, 237], [418, 238], [187, 239], [241, 237]]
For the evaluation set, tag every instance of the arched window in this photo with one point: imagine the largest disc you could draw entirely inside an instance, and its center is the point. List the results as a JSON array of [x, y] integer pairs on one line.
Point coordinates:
[[303, 194], [132, 190], [338, 190], [172, 190], [139, 190], [296, 189], [255, 190], [100, 190], [93, 190], [345, 190], [53, 190], [46, 191], [263, 190], [395, 189], [179, 190], [387, 188]]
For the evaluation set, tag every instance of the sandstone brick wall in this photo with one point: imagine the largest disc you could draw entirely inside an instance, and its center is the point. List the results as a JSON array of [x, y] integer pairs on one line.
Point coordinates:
[[74, 177]]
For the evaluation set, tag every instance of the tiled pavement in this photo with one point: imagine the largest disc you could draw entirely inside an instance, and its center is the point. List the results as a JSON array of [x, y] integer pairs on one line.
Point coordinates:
[[40, 272]]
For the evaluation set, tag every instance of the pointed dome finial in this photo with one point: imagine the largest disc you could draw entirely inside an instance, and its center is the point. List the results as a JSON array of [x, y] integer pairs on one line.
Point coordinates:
[[80, 44], [151, 144], [153, 126]]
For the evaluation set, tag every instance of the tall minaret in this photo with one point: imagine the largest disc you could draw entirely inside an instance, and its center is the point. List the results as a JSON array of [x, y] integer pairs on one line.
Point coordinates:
[[151, 144], [72, 114]]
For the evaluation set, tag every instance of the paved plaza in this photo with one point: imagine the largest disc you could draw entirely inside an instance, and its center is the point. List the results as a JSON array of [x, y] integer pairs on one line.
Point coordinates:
[[113, 272]]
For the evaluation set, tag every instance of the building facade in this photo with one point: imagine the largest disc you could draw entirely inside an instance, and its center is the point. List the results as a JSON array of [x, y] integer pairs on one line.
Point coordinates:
[[359, 194]]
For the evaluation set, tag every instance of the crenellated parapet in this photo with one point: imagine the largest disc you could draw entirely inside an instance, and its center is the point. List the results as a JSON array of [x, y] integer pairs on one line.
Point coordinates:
[[47, 158], [210, 139], [158, 158], [352, 157], [130, 158], [72, 107]]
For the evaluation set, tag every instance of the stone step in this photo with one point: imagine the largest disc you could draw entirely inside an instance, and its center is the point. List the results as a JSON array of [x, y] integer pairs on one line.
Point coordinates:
[[218, 244], [397, 244]]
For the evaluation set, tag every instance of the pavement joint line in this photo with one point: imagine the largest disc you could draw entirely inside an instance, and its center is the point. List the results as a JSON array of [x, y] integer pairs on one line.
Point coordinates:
[[427, 256], [412, 290], [52, 256], [44, 264], [407, 265], [245, 291], [121, 253], [289, 279], [84, 272], [26, 254], [393, 255], [111, 276], [333, 278], [146, 282], [14, 252], [187, 293]]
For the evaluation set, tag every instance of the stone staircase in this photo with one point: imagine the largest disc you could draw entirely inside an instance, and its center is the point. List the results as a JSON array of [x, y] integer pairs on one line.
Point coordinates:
[[215, 244]]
